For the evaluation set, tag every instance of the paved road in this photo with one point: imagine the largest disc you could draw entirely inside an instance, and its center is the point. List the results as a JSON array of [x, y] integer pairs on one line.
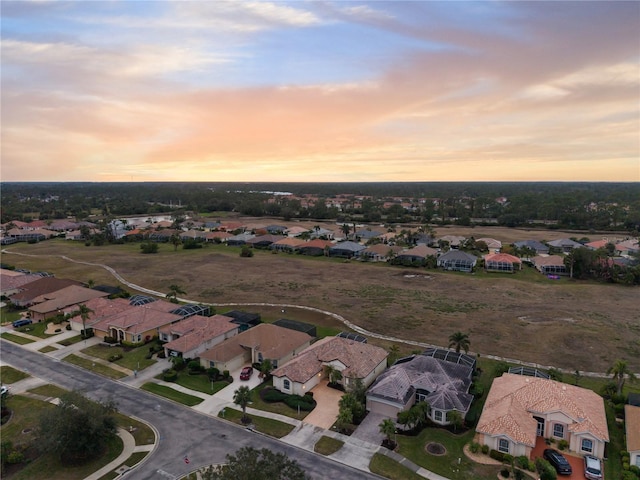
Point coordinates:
[[182, 431]]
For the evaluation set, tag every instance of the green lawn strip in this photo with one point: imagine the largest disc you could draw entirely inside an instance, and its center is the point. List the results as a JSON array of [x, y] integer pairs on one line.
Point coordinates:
[[109, 476], [276, 407], [387, 467], [268, 426], [413, 448], [135, 458], [94, 367], [327, 445], [199, 383], [613, 464], [47, 349], [327, 331], [16, 339], [48, 391], [133, 359], [70, 341], [142, 433], [9, 375], [172, 394]]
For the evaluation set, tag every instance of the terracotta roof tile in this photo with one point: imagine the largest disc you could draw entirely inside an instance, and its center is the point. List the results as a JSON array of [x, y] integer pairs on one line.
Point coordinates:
[[207, 328], [632, 424]]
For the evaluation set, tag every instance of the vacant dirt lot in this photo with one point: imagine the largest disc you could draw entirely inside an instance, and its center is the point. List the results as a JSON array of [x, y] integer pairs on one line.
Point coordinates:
[[525, 316]]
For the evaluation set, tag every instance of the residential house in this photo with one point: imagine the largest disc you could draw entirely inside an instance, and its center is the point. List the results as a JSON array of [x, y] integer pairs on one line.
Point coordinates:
[[307, 328], [538, 247], [239, 240], [627, 247], [35, 235], [100, 307], [454, 241], [416, 254], [346, 249], [564, 245], [366, 234], [135, 325], [30, 291], [287, 244], [51, 304], [632, 427], [550, 265], [457, 261], [297, 231], [380, 252], [11, 281], [194, 335], [502, 262], [597, 244], [315, 247], [444, 385], [492, 244], [356, 361], [218, 237], [322, 233], [521, 410], [262, 342], [196, 235], [276, 229], [264, 241]]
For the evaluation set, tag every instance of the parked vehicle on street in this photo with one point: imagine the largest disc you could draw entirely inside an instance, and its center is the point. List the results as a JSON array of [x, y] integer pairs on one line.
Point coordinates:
[[246, 373], [557, 460], [592, 468]]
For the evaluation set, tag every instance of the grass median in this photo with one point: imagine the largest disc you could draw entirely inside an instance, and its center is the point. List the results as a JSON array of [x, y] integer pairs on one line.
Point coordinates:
[[268, 426], [94, 367], [9, 375], [171, 394], [16, 338]]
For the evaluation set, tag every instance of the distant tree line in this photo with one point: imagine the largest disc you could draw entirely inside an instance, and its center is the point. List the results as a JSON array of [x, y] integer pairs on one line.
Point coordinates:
[[586, 206]]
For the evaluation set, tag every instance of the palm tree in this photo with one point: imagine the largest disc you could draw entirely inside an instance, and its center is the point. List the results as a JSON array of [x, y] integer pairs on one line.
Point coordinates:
[[174, 291], [84, 312], [388, 428], [620, 371], [455, 419], [394, 353], [175, 241], [346, 229], [333, 373], [265, 368], [460, 341], [242, 397]]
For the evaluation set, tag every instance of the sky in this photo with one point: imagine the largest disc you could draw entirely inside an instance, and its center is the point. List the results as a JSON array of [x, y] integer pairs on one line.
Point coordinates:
[[320, 91]]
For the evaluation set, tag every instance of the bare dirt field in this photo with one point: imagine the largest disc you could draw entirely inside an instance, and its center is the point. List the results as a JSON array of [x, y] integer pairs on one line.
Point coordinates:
[[568, 324]]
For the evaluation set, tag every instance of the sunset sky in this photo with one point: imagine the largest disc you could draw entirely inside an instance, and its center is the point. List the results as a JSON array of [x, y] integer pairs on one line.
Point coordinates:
[[320, 91]]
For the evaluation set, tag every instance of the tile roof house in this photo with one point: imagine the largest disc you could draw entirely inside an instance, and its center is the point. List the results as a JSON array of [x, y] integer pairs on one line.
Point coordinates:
[[287, 244], [521, 408], [380, 252], [454, 241], [11, 281], [264, 241], [100, 307], [315, 247], [628, 247], [354, 360], [564, 245], [217, 236], [632, 426], [295, 231], [50, 304], [457, 261], [550, 265], [417, 254], [30, 291], [264, 341], [491, 243], [135, 325], [201, 333], [502, 262], [444, 385], [536, 246]]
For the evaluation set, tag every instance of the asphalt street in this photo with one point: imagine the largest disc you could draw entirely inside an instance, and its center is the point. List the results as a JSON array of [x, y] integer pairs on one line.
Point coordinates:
[[183, 432]]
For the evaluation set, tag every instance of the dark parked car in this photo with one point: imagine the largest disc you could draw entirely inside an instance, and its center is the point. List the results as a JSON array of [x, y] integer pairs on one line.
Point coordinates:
[[22, 322], [592, 468], [558, 461], [246, 373]]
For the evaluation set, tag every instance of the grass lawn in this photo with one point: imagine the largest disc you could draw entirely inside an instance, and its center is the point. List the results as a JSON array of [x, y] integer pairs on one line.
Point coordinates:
[[268, 426], [9, 316], [613, 464], [142, 432], [48, 391], [413, 448], [94, 367], [389, 468], [10, 375], [35, 329], [47, 349], [199, 383], [16, 339], [172, 394], [133, 359], [70, 341], [327, 445]]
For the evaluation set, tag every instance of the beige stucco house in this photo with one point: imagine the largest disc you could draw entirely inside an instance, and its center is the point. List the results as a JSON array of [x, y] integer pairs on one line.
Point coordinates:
[[632, 427]]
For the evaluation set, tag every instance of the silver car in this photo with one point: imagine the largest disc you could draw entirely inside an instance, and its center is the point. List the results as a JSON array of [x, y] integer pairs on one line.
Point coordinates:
[[592, 468]]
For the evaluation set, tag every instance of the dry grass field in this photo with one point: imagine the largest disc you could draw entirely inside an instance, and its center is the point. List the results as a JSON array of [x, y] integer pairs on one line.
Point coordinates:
[[563, 323]]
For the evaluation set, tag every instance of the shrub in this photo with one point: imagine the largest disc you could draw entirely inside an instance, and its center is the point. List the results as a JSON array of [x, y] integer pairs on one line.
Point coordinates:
[[485, 449], [625, 465], [226, 375], [546, 471], [519, 475], [496, 455], [68, 327], [296, 401], [522, 461], [87, 333], [636, 470], [194, 365], [563, 444], [507, 458], [213, 373], [161, 354], [15, 457], [170, 375], [627, 475], [309, 394], [108, 339], [115, 357], [474, 447], [504, 472], [272, 395]]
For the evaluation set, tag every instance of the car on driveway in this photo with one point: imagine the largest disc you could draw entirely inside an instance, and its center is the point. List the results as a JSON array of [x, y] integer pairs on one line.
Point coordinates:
[[22, 322], [592, 468], [557, 460], [246, 373]]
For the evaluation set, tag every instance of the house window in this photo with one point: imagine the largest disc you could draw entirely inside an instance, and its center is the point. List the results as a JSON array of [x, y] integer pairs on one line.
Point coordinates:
[[437, 415], [503, 445], [558, 430], [212, 364], [587, 445], [286, 384]]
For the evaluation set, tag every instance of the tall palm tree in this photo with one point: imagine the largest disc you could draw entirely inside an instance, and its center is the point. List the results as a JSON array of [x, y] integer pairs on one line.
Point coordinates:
[[333, 373], [394, 353], [460, 341], [84, 312], [455, 418], [620, 371], [346, 229], [242, 397], [388, 428], [174, 291]]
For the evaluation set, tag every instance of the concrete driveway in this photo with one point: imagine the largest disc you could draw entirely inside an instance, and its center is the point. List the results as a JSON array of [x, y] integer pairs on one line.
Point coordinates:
[[227, 392], [326, 411]]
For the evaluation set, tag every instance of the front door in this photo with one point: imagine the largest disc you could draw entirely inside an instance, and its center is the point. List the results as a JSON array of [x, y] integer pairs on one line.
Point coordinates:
[[540, 428]]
